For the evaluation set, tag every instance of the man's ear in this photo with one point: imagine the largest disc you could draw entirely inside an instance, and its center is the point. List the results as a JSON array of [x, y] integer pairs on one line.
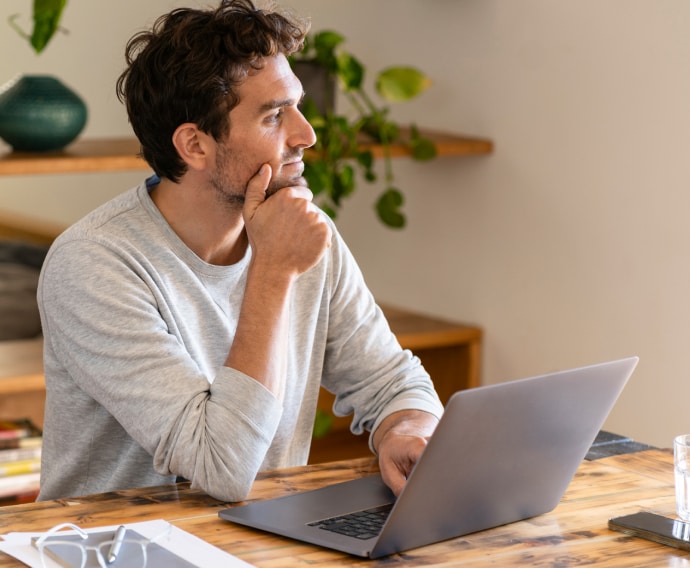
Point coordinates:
[[192, 145]]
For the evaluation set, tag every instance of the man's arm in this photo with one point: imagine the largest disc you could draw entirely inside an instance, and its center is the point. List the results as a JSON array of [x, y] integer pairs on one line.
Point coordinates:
[[399, 441], [213, 429], [288, 237], [384, 387]]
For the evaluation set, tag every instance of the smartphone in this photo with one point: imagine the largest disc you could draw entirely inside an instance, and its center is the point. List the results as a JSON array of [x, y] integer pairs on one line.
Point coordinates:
[[658, 528]]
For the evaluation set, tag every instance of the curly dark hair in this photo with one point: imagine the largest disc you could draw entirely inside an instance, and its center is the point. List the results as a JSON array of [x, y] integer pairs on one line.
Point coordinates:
[[187, 69]]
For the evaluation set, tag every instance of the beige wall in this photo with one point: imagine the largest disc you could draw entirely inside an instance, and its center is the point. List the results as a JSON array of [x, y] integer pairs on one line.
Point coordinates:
[[568, 245]]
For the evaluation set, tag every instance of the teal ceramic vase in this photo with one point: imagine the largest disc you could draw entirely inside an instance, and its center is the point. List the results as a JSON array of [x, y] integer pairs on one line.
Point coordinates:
[[39, 113]]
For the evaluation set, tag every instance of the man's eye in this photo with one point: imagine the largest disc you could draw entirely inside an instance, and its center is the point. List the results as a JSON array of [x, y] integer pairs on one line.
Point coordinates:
[[276, 116]]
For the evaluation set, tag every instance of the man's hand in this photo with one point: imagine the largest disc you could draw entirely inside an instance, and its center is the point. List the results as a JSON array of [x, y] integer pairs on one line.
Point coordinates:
[[286, 232], [399, 441]]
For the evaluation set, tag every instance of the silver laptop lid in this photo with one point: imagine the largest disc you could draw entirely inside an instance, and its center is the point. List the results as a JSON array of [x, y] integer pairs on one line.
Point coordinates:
[[503, 453]]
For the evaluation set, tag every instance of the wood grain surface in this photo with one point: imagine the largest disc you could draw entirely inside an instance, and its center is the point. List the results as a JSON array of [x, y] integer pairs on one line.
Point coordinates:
[[574, 534]]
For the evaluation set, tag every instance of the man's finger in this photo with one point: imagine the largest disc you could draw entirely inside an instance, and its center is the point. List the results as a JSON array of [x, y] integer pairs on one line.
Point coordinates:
[[256, 190]]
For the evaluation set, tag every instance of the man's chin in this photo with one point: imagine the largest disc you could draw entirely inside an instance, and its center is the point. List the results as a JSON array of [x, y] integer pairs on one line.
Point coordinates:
[[277, 184]]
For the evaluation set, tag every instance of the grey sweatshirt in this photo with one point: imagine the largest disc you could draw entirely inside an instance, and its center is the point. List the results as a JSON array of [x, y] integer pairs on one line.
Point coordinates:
[[137, 329]]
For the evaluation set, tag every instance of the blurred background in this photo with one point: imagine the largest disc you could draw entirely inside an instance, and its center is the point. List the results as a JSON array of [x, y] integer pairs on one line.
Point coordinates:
[[568, 245]]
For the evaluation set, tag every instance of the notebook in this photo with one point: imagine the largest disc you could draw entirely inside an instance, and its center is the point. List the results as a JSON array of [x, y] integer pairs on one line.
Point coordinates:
[[501, 453]]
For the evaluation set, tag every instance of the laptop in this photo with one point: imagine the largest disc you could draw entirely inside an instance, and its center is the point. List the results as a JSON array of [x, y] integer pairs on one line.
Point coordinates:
[[501, 453]]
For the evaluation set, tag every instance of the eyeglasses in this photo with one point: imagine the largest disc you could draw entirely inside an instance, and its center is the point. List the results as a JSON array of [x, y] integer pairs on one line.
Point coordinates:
[[67, 550]]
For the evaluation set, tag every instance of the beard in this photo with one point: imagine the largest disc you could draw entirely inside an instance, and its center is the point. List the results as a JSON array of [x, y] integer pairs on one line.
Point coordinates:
[[231, 194]]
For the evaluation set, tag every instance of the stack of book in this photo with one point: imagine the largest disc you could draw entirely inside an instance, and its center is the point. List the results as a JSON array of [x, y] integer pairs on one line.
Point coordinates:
[[20, 460]]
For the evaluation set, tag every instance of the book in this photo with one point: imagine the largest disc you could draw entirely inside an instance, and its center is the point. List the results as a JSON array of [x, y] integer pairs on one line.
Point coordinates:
[[19, 454], [18, 428], [14, 443], [19, 499], [20, 484], [19, 433], [20, 459], [21, 466]]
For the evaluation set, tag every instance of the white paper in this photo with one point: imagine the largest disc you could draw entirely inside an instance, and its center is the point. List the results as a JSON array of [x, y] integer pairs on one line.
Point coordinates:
[[186, 545]]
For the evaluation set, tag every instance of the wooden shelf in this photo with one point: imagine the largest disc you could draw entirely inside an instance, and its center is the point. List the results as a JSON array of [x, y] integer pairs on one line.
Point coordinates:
[[121, 154], [416, 331], [14, 226], [446, 145], [20, 385], [97, 155]]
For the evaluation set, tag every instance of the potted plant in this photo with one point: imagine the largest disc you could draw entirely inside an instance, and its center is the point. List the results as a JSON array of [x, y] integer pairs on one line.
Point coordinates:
[[39, 112], [331, 166]]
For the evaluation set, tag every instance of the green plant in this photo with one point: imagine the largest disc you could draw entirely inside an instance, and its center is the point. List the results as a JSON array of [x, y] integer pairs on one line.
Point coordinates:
[[323, 423], [330, 167], [46, 17]]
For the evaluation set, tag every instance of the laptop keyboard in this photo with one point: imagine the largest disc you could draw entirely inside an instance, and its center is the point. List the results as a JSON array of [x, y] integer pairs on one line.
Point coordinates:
[[360, 524]]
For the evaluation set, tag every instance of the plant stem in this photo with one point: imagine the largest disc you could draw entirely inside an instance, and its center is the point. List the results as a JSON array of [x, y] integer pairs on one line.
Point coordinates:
[[15, 26]]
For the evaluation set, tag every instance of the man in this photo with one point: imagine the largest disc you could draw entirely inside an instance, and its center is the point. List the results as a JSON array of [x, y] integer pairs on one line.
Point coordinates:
[[190, 322]]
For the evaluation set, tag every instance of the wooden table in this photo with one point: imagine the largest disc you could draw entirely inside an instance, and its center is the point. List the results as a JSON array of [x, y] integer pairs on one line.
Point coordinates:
[[574, 534]]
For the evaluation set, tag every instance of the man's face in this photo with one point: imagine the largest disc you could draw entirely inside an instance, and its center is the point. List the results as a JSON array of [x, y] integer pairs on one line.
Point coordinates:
[[265, 127]]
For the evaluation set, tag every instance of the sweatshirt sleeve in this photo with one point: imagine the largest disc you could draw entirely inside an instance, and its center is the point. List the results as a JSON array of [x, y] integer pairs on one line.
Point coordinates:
[[213, 431], [366, 368]]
